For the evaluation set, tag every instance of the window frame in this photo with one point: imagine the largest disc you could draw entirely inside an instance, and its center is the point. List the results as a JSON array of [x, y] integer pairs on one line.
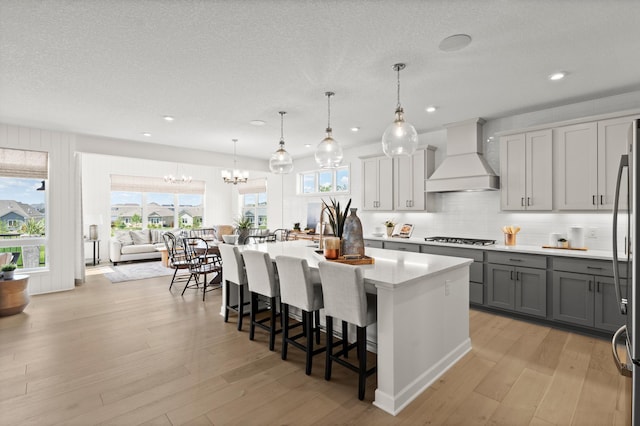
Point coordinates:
[[316, 176]]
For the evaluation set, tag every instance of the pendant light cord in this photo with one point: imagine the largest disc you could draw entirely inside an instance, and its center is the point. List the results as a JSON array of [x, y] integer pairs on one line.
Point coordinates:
[[329, 94], [398, 70], [282, 113], [234, 153]]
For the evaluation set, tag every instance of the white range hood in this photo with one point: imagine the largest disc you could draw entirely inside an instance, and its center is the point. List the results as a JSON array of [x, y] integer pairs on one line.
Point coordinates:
[[464, 168]]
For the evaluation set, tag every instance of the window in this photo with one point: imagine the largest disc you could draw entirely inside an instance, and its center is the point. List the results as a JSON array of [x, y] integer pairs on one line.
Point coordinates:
[[140, 201], [325, 181], [254, 207], [24, 206]]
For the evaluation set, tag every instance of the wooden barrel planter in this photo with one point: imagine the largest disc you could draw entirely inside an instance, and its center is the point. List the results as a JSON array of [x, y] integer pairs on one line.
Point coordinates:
[[13, 295]]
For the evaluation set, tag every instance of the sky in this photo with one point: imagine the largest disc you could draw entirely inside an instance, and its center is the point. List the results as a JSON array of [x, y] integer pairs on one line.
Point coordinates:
[[22, 190]]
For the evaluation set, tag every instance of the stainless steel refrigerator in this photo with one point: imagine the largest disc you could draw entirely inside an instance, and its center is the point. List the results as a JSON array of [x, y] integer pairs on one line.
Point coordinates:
[[626, 270]]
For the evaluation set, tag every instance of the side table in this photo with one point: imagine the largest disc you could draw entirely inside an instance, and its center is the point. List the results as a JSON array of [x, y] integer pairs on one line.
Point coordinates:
[[13, 295], [96, 250]]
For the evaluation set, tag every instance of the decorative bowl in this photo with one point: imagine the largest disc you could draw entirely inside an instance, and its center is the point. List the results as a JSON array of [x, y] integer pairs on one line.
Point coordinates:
[[377, 234], [230, 239]]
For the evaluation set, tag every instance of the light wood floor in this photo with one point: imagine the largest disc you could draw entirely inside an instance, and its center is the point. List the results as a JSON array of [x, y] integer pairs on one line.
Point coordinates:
[[135, 353]]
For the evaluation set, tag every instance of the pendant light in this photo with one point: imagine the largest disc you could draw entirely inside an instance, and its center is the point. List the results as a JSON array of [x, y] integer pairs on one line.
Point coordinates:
[[329, 152], [281, 162], [401, 137], [235, 176]]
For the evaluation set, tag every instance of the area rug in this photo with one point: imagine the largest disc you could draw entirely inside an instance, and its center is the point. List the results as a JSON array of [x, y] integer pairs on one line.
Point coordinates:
[[137, 271]]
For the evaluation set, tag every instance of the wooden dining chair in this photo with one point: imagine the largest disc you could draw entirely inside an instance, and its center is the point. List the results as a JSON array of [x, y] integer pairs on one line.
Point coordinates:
[[203, 259], [177, 258]]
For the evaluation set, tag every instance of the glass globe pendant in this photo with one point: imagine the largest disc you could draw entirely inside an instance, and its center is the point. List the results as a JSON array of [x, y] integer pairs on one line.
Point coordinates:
[[281, 162], [329, 152], [400, 138]]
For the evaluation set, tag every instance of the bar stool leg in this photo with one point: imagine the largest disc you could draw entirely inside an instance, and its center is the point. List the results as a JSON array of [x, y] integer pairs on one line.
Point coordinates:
[[317, 326], [254, 309], [272, 331], [309, 362], [240, 305], [285, 331], [329, 354], [362, 353], [345, 339], [226, 298]]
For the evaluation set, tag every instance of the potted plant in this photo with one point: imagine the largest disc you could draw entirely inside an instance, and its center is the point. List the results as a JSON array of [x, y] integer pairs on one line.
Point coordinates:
[[8, 270], [390, 224], [243, 226], [336, 216]]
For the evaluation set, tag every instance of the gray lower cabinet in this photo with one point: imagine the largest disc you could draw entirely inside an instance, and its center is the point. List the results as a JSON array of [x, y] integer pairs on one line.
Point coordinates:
[[517, 288], [586, 300], [393, 245], [373, 243]]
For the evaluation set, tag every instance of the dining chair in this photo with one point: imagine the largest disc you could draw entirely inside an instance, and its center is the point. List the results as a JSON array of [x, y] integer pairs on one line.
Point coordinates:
[[203, 260], [300, 287], [262, 280], [345, 299], [233, 273], [177, 258]]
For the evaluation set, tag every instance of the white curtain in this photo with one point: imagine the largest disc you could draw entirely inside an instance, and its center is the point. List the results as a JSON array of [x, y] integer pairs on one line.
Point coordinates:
[[154, 184], [80, 273], [24, 164], [253, 186]]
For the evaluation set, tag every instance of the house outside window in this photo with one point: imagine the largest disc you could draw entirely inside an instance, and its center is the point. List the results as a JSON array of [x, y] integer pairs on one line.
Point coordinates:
[[24, 206]]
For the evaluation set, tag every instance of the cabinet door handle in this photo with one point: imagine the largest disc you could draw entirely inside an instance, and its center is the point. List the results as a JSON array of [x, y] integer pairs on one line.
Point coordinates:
[[511, 276], [528, 201], [601, 200], [515, 260], [517, 276], [598, 286], [593, 200], [590, 286], [594, 267], [522, 201]]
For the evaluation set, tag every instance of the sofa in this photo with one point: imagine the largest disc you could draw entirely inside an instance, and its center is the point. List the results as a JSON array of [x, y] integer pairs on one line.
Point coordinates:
[[136, 245]]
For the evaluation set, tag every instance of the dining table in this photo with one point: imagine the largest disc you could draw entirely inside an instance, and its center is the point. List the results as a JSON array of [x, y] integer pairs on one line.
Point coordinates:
[[422, 326]]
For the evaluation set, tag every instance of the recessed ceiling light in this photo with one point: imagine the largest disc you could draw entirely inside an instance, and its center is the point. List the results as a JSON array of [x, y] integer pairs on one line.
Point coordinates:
[[431, 109], [557, 76], [455, 42], [168, 118], [307, 145], [147, 134], [355, 129], [257, 122]]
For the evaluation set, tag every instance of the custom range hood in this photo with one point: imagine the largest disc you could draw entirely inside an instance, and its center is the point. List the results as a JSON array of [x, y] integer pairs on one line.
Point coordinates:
[[464, 168]]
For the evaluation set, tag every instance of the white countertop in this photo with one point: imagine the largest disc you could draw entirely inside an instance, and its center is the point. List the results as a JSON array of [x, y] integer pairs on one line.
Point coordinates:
[[391, 269], [588, 254]]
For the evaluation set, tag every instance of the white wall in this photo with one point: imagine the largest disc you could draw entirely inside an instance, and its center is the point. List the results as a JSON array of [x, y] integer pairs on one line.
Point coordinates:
[[475, 214]]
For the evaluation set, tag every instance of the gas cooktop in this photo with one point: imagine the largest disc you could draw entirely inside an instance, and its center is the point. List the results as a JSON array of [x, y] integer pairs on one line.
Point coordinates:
[[459, 240]]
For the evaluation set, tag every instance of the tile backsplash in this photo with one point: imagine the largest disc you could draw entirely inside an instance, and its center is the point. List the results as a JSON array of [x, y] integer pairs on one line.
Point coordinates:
[[478, 215]]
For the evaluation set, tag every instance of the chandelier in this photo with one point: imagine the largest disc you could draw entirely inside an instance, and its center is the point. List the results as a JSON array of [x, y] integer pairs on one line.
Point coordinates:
[[281, 162], [401, 137], [177, 179], [329, 152], [235, 176]]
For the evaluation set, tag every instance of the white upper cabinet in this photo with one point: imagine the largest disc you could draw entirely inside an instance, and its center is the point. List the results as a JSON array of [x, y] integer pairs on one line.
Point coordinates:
[[409, 179], [587, 158], [614, 139], [377, 183], [526, 171]]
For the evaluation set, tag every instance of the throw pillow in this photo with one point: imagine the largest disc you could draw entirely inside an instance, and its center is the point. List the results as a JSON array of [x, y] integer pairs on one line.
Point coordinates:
[[141, 237], [124, 238], [156, 236]]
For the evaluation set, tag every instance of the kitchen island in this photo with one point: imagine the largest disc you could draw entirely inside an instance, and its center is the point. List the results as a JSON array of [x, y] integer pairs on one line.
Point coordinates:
[[423, 316]]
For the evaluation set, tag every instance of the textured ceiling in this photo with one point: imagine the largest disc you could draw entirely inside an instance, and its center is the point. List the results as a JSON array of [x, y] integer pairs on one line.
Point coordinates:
[[115, 67]]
